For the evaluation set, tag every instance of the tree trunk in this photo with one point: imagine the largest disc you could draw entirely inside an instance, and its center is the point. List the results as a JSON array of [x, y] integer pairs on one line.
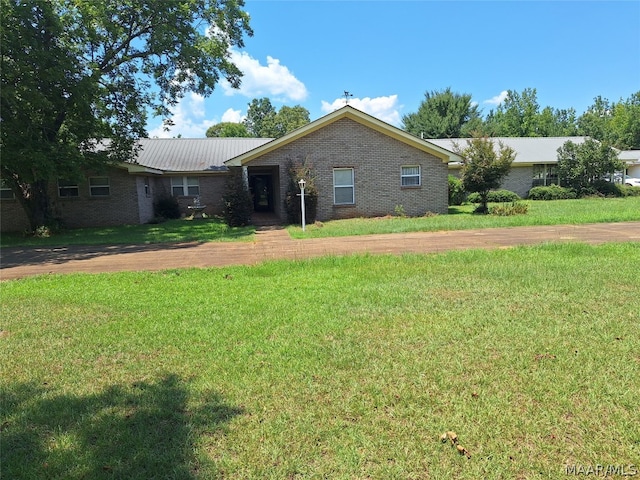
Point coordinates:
[[36, 204]]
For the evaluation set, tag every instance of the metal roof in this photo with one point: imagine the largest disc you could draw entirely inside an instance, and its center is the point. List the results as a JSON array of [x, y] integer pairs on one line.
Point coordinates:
[[193, 154], [528, 149]]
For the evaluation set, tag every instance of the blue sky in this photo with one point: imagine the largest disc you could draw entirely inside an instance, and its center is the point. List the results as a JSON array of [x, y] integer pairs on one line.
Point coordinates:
[[387, 54]]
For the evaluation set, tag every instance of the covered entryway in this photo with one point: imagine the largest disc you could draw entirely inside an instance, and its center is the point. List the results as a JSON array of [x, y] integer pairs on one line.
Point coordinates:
[[261, 187], [264, 185]]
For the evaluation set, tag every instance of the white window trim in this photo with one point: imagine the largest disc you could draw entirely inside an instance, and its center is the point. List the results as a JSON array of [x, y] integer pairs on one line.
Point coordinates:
[[92, 187], [184, 184], [403, 176], [352, 186]]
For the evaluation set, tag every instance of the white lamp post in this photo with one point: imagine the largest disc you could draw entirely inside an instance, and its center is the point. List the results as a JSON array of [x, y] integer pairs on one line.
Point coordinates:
[[302, 183]]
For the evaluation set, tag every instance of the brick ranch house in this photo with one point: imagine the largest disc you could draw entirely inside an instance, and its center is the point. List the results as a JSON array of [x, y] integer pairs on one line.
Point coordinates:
[[363, 167]]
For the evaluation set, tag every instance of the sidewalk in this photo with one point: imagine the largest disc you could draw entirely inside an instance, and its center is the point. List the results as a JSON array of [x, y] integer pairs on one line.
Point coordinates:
[[273, 244]]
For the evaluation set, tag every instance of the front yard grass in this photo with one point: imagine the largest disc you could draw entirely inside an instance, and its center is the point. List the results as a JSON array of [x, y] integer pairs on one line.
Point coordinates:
[[556, 212], [171, 231], [328, 368], [591, 210]]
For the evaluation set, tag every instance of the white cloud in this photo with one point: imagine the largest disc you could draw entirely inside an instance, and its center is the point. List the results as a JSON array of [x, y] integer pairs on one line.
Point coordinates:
[[233, 116], [498, 99], [188, 119], [383, 108], [273, 80]]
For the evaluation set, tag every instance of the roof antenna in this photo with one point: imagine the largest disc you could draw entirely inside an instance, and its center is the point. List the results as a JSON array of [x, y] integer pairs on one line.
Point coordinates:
[[346, 97]]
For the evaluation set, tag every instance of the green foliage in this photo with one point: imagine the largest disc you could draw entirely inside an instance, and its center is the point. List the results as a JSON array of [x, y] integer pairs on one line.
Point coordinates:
[[400, 211], [228, 129], [581, 165], [166, 207], [483, 169], [74, 73], [615, 123], [444, 114], [519, 116], [237, 205], [508, 209], [551, 192], [263, 121], [629, 191], [607, 189], [495, 196], [457, 195], [297, 170]]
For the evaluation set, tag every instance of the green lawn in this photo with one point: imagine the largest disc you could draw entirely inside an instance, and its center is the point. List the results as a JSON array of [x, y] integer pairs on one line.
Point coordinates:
[[172, 231], [328, 368], [585, 210], [591, 210]]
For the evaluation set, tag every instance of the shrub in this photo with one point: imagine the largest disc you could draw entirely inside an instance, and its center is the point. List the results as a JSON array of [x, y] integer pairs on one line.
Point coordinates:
[[608, 189], [552, 192], [457, 195], [166, 207], [297, 170], [399, 211], [629, 191], [237, 205], [495, 196], [508, 209]]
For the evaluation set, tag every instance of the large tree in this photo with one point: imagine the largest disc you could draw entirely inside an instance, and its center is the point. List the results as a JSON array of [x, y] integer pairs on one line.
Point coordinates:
[[76, 73], [264, 121], [581, 165], [444, 114], [484, 168], [227, 129], [615, 123]]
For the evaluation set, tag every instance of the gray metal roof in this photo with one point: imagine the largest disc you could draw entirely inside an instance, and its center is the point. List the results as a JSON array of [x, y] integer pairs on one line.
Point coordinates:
[[528, 149], [193, 154]]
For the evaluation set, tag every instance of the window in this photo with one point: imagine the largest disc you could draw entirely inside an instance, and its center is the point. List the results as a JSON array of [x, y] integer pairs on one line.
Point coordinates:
[[67, 188], [5, 192], [410, 176], [544, 175], [147, 187], [181, 186], [343, 186], [99, 186]]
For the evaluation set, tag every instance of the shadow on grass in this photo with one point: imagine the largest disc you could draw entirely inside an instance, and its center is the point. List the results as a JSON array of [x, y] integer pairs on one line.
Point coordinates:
[[141, 431]]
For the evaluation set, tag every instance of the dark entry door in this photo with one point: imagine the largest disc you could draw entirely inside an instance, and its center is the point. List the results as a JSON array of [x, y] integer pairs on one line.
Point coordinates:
[[262, 192]]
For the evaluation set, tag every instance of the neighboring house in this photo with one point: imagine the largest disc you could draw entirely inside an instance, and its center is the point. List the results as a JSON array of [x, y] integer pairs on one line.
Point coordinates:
[[363, 167], [632, 159], [535, 163]]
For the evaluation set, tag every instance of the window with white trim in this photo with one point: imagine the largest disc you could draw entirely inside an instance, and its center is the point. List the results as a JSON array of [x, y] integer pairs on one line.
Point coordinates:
[[410, 176], [5, 191], [147, 187], [343, 186], [99, 186], [181, 186], [68, 188]]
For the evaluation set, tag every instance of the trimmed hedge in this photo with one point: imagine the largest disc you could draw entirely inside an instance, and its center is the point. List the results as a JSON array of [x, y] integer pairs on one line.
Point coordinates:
[[495, 196], [552, 192]]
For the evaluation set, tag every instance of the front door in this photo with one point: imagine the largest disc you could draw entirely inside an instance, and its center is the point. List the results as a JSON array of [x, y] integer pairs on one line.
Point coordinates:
[[262, 191]]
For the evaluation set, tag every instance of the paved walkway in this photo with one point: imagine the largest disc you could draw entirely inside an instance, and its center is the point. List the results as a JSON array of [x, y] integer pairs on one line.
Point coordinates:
[[272, 244]]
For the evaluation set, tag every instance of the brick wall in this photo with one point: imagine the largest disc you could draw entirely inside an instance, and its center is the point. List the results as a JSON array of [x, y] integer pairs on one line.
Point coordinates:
[[519, 179], [211, 191], [120, 207], [376, 159]]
